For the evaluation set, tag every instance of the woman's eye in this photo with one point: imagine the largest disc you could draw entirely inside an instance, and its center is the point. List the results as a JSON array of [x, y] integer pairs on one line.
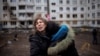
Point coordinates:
[[40, 22], [36, 23]]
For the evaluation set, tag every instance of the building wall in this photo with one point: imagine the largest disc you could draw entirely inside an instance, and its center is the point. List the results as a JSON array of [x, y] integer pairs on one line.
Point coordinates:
[[78, 7], [76, 13], [0, 9]]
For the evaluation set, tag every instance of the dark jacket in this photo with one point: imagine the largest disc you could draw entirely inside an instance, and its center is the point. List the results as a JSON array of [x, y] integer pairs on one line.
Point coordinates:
[[94, 32], [38, 44], [52, 28], [64, 47]]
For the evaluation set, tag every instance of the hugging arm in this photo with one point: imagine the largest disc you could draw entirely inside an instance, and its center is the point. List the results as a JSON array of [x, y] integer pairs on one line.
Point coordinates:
[[61, 32], [62, 45]]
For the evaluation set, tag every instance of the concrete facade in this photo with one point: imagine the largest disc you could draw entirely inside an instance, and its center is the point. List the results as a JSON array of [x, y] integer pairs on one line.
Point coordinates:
[[76, 13]]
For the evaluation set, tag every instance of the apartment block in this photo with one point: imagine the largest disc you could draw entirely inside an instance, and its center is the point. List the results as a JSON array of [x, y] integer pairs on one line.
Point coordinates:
[[76, 13]]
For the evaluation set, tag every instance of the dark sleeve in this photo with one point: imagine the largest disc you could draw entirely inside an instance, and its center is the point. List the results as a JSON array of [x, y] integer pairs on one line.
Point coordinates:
[[34, 48]]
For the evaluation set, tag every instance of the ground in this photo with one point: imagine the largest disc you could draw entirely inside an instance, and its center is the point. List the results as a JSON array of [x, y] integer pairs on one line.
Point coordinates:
[[21, 47], [84, 44]]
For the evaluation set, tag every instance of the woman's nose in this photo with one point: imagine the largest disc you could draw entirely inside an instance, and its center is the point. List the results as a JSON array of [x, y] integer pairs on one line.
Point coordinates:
[[39, 24]]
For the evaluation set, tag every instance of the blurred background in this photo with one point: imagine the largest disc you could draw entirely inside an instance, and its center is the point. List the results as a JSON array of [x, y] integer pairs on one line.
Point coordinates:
[[17, 17]]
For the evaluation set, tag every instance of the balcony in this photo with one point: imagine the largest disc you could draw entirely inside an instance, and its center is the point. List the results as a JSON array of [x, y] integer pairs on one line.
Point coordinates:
[[25, 3], [22, 18], [29, 18], [22, 11], [29, 11]]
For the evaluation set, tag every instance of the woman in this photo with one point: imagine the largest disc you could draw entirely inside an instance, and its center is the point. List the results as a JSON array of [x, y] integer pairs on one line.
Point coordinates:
[[39, 42], [94, 33], [64, 45]]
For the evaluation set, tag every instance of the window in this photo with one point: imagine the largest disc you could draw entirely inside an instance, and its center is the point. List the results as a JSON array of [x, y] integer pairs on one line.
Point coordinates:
[[22, 14], [4, 0], [68, 16], [88, 15], [61, 15], [75, 8], [53, 17], [12, 0], [22, 7], [93, 22], [93, 15], [61, 8], [29, 14], [74, 15], [88, 8], [82, 9], [88, 1], [29, 7], [53, 3], [45, 8], [53, 10], [4, 7], [74, 22], [4, 23], [22, 0], [82, 22], [22, 23], [93, 6], [68, 22], [13, 23], [67, 1], [98, 5], [61, 1], [82, 16], [67, 8], [30, 22], [98, 14], [38, 8], [98, 22], [38, 1], [82, 2], [13, 8]]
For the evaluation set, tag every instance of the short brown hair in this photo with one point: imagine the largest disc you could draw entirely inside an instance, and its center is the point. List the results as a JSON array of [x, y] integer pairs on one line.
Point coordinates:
[[44, 20]]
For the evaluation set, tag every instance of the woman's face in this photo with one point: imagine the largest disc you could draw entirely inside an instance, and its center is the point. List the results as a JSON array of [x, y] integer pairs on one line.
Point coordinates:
[[40, 25]]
